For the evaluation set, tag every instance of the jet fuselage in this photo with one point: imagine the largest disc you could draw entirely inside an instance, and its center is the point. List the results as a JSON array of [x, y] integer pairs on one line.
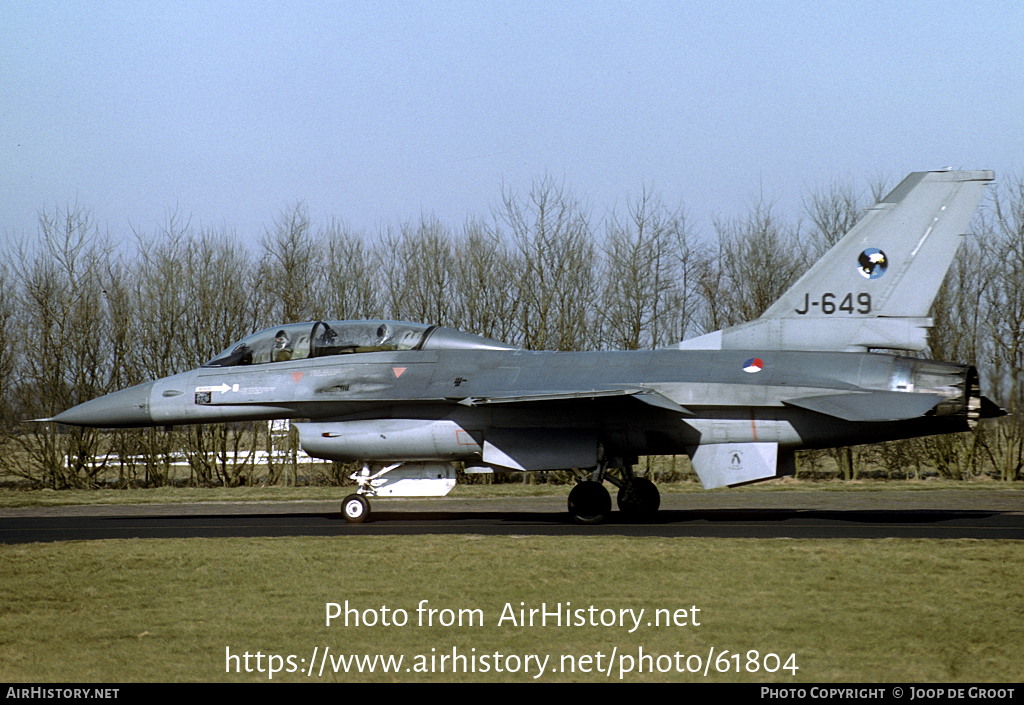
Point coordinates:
[[632, 402]]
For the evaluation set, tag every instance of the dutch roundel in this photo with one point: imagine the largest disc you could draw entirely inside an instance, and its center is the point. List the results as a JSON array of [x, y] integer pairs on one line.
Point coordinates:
[[754, 364]]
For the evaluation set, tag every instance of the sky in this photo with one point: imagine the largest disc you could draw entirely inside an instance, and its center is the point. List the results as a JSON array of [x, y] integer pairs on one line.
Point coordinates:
[[378, 113]]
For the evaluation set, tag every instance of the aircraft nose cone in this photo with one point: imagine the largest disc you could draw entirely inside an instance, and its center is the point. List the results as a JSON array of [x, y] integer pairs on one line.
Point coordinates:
[[129, 407]]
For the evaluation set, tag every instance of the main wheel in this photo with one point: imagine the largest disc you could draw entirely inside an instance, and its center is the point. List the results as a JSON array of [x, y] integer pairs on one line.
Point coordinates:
[[639, 498], [356, 508], [589, 503]]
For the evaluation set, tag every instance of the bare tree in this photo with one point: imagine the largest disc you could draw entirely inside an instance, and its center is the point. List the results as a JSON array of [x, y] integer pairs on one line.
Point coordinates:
[[759, 258], [227, 296], [9, 335], [833, 213], [225, 305], [195, 294], [1005, 307], [690, 261], [486, 302], [351, 283], [420, 276], [554, 266], [645, 256], [292, 269], [64, 323], [960, 325], [161, 292]]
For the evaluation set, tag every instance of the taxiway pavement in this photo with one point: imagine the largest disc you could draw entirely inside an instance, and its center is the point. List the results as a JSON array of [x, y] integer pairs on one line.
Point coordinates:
[[918, 513]]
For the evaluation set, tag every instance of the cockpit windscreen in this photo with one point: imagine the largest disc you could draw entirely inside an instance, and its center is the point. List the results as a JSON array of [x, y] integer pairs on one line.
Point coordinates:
[[298, 341]]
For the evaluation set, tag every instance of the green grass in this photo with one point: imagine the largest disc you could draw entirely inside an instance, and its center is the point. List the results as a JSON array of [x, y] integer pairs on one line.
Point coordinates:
[[166, 610], [850, 610]]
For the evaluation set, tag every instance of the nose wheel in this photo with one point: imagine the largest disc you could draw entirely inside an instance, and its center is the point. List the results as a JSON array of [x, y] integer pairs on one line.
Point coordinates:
[[355, 508]]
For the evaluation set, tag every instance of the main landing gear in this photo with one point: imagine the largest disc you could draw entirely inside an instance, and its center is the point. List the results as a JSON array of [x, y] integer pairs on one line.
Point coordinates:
[[590, 502]]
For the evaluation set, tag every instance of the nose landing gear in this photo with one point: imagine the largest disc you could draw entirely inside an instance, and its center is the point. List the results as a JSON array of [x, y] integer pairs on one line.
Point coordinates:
[[355, 508]]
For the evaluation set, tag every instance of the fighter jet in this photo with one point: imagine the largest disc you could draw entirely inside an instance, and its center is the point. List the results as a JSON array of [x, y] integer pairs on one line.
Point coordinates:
[[820, 368]]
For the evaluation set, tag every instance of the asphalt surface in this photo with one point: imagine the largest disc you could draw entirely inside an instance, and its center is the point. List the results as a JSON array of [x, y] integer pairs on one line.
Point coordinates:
[[934, 514]]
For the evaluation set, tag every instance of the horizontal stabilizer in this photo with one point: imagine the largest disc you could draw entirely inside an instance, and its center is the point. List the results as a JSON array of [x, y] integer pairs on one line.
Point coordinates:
[[990, 410], [870, 406]]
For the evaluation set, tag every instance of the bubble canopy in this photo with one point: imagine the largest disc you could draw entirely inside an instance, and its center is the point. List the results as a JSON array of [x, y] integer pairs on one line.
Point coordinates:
[[300, 341]]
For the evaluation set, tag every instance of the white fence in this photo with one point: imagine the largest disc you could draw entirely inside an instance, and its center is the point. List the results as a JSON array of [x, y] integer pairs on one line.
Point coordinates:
[[257, 458]]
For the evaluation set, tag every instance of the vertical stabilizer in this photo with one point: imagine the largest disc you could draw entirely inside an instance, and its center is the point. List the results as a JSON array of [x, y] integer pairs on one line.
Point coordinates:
[[875, 287]]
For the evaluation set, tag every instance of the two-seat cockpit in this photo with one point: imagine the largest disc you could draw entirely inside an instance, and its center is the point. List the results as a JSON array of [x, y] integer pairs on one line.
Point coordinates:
[[300, 341]]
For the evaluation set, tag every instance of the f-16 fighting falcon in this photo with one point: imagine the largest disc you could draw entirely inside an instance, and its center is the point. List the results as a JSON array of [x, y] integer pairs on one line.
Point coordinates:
[[818, 369]]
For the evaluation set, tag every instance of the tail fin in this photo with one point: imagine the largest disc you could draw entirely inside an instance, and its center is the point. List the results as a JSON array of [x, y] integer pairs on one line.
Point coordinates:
[[875, 287]]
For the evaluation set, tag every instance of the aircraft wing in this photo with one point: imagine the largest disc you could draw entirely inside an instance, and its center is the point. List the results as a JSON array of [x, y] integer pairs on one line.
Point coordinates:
[[648, 396], [870, 406]]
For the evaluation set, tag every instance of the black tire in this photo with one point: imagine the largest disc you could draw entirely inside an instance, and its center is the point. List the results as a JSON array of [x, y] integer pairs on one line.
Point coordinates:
[[589, 503], [639, 498], [355, 509]]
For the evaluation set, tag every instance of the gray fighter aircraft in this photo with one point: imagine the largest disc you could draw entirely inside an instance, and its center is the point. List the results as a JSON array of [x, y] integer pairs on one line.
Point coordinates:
[[408, 399]]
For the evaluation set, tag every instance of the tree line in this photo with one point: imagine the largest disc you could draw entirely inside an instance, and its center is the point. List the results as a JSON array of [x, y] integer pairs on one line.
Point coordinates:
[[83, 314]]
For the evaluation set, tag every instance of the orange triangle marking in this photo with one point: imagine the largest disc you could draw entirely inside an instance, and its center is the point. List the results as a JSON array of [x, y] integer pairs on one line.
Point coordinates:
[[398, 371], [297, 376]]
